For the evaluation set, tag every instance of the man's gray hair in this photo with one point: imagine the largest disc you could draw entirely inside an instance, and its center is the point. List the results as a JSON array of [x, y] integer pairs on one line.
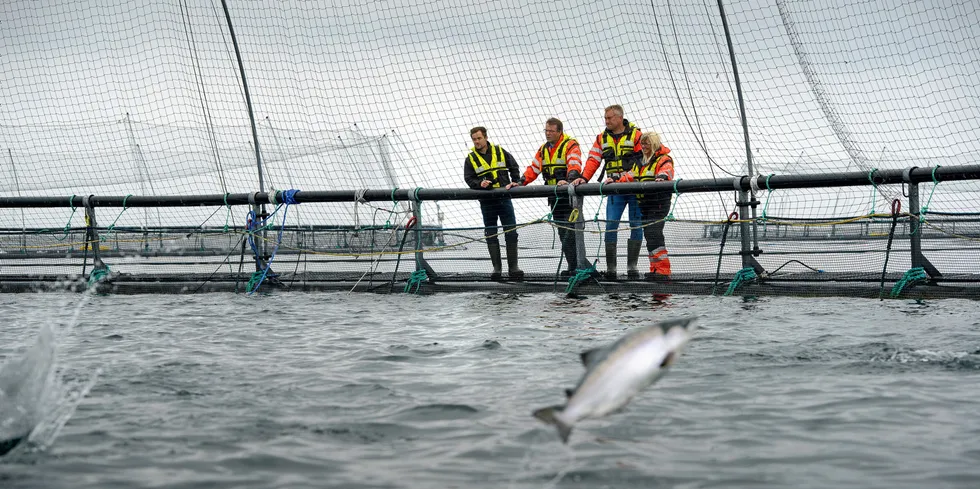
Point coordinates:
[[618, 108]]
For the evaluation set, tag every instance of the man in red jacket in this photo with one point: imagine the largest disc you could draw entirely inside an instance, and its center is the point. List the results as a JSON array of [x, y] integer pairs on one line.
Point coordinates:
[[558, 161]]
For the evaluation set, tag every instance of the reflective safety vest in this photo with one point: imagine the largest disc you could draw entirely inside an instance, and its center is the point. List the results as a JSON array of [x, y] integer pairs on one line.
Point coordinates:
[[614, 153], [488, 171], [555, 167], [648, 173]]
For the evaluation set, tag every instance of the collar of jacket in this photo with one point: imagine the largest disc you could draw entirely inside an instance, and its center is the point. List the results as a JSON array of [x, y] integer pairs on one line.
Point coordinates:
[[626, 130], [561, 138]]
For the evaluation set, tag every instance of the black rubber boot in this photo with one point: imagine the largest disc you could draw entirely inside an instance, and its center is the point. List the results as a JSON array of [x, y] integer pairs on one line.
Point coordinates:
[[632, 256], [513, 272], [568, 248], [610, 261], [494, 248]]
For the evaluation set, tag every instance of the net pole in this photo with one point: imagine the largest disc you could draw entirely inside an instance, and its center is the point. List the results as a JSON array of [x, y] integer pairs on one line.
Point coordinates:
[[259, 209], [745, 121]]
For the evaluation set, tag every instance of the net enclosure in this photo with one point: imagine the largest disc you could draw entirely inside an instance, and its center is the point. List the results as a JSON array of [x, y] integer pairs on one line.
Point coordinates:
[[819, 147]]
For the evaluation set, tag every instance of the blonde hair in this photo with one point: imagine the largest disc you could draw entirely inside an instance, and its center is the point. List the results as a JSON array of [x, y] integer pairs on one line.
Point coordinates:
[[651, 140]]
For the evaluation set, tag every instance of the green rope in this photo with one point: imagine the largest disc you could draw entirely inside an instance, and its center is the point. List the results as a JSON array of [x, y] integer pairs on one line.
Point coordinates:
[[744, 275], [552, 211], [228, 215], [911, 277], [416, 280], [602, 198], [98, 275], [67, 229], [925, 209], [595, 219], [581, 275], [253, 281], [935, 183], [550, 217], [677, 194], [109, 230], [874, 190], [393, 207], [768, 195]]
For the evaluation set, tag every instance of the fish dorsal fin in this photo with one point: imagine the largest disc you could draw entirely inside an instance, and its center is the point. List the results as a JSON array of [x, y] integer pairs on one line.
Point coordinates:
[[591, 356]]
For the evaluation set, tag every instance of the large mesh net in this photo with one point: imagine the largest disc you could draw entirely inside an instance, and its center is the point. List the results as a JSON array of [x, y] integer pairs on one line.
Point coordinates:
[[118, 97]]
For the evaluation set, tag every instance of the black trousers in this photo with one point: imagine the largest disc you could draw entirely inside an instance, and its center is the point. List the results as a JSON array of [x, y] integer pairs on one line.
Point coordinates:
[[653, 225], [503, 209], [562, 211]]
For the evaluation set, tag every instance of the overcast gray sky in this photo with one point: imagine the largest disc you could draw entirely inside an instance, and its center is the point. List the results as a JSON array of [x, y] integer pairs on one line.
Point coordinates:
[[829, 86]]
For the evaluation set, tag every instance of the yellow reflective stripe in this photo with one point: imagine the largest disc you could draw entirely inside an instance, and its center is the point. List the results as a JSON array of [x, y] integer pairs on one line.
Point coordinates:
[[620, 148], [483, 168], [549, 162], [649, 172]]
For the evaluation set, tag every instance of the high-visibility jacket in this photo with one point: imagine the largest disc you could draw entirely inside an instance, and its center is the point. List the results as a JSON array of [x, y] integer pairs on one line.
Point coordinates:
[[492, 170], [560, 161], [660, 165], [619, 150]]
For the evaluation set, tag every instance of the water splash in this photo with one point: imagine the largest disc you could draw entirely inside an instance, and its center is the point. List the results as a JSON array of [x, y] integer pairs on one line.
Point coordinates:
[[26, 387], [70, 397], [35, 402], [948, 359]]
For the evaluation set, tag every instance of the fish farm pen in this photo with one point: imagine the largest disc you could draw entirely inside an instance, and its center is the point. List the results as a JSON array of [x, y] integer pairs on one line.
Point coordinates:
[[162, 148], [894, 252]]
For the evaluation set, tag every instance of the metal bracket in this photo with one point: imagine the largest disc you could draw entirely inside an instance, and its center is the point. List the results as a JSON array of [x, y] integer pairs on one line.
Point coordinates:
[[907, 179], [737, 182]]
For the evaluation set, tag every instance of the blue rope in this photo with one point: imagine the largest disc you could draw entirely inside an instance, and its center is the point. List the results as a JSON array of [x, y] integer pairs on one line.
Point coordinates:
[[288, 198]]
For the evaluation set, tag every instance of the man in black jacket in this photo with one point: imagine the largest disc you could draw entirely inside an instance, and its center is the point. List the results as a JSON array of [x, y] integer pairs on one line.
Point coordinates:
[[489, 167]]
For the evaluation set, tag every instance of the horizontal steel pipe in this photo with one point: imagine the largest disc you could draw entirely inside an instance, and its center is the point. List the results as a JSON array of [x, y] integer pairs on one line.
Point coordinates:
[[775, 182]]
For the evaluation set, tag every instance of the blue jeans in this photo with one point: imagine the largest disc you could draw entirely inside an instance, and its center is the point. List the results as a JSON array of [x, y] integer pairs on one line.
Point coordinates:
[[498, 208], [615, 204]]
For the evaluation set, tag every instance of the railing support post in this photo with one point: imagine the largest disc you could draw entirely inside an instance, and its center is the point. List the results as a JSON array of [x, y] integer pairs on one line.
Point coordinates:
[[915, 232]]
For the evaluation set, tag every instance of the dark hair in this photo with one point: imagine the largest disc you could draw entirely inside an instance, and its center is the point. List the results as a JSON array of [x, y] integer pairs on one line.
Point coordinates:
[[479, 129], [554, 121]]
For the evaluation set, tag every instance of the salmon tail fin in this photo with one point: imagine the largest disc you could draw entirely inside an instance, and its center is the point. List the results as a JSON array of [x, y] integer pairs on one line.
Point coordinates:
[[8, 445], [549, 415]]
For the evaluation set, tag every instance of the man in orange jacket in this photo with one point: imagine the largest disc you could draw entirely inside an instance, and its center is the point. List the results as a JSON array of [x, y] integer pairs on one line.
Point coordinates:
[[619, 146], [558, 161]]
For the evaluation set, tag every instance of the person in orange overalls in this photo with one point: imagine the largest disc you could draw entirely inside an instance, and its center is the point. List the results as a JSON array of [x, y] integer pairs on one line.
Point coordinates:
[[656, 166], [558, 161]]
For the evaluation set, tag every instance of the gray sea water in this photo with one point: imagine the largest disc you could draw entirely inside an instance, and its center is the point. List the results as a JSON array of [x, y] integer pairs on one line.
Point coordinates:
[[356, 391]]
